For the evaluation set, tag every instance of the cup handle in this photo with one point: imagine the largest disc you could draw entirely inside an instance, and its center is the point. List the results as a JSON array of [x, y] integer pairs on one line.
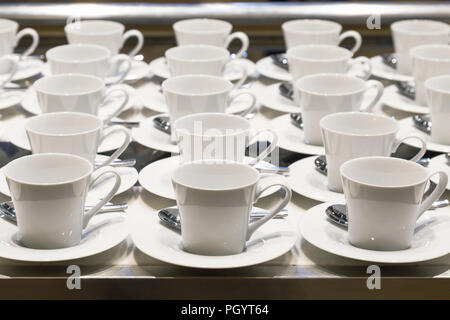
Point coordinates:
[[267, 151], [35, 40], [121, 107], [14, 67], [265, 182], [421, 152], [437, 192], [380, 88], [244, 70], [352, 34], [244, 40], [118, 152], [366, 63], [139, 38], [237, 93], [119, 59], [95, 176]]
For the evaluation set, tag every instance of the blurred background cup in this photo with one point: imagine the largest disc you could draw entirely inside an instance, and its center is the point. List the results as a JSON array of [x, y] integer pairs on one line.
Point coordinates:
[[407, 34], [351, 135], [218, 136], [315, 31], [323, 94], [10, 38], [74, 133], [76, 93], [215, 200], [428, 61], [85, 59], [202, 59], [209, 31], [438, 99], [385, 197], [8, 67], [191, 94]]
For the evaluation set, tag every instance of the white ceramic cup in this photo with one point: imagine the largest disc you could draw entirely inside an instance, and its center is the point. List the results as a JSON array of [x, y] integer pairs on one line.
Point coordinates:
[[204, 136], [407, 34], [438, 99], [10, 38], [200, 93], [215, 200], [428, 61], [326, 93], [73, 133], [351, 135], [8, 64], [77, 93], [385, 197], [108, 34], [49, 194], [209, 31], [315, 31], [202, 59], [320, 58], [85, 59]]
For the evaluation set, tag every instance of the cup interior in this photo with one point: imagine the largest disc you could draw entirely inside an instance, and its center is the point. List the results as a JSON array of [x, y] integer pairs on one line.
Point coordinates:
[[312, 26], [417, 26], [358, 124], [316, 52], [78, 53], [433, 52], [211, 175], [94, 27], [68, 84], [384, 172], [202, 26], [330, 84], [197, 53], [8, 25], [196, 85], [63, 123], [211, 124], [48, 169], [440, 84]]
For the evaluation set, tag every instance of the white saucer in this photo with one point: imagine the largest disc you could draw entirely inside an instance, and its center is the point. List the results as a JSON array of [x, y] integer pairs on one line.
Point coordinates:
[[104, 231], [307, 181], [16, 134], [290, 137], [395, 100], [407, 128], [430, 241], [157, 177], [10, 98], [148, 136], [30, 102], [128, 176], [268, 69], [160, 68], [28, 67], [153, 99], [381, 70], [439, 163], [273, 239]]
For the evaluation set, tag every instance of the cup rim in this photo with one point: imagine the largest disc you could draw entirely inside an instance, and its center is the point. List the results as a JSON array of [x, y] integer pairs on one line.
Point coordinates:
[[46, 155], [429, 81], [13, 25], [416, 55], [64, 113], [349, 162], [287, 25], [177, 26], [358, 114], [334, 75], [68, 75], [395, 26], [213, 114], [120, 27], [204, 46], [166, 82], [290, 51], [219, 162], [51, 52]]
